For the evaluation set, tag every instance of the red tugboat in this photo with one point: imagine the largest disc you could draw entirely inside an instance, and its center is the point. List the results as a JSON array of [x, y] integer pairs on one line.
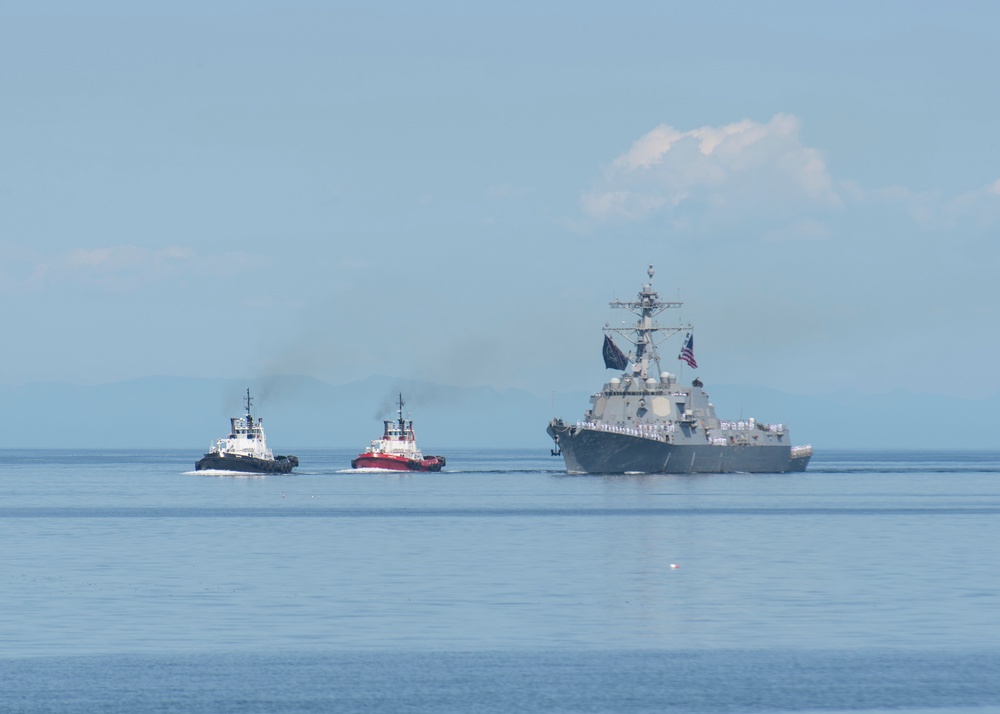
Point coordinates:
[[397, 449]]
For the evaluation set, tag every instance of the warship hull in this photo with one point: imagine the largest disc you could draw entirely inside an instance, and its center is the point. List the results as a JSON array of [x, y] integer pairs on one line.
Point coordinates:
[[596, 451], [246, 464]]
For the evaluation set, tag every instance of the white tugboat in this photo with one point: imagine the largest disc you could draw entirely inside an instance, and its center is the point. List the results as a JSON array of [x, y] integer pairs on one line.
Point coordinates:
[[397, 449], [645, 422], [245, 449]]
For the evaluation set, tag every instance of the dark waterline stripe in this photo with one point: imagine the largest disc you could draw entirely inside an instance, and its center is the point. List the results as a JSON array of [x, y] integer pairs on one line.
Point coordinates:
[[295, 512], [494, 682]]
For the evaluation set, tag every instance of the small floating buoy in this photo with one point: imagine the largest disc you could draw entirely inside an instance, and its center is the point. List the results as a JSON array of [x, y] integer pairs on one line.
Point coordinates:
[[674, 566]]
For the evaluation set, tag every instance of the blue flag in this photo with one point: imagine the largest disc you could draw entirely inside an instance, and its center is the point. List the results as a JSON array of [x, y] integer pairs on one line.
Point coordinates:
[[614, 358]]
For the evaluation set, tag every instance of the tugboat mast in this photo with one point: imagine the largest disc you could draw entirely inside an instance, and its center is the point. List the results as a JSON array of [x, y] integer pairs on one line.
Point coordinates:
[[646, 308]]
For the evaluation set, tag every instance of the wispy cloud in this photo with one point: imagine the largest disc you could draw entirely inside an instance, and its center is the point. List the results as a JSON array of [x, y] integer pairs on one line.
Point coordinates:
[[111, 269], [981, 207], [741, 166], [972, 211]]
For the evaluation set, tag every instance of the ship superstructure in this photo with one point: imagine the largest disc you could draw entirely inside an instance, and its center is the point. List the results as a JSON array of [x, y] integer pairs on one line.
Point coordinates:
[[644, 421], [245, 448]]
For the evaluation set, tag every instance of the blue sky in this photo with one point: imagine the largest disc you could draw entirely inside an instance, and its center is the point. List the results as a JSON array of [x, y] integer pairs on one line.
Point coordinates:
[[454, 191]]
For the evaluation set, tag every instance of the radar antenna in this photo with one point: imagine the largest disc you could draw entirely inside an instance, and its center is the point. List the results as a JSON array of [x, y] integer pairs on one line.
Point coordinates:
[[643, 336]]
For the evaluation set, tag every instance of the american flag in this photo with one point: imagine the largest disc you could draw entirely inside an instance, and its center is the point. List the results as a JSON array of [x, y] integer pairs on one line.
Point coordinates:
[[687, 351]]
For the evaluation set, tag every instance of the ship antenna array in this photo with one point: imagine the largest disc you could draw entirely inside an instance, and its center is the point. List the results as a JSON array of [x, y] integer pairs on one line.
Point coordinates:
[[643, 336], [400, 411]]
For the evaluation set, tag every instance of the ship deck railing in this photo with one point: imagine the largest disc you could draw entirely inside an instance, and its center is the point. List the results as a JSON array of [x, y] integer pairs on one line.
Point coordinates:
[[750, 425], [660, 432], [646, 431]]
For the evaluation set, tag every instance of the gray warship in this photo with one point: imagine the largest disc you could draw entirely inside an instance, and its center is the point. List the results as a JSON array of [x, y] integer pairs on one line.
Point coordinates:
[[641, 423]]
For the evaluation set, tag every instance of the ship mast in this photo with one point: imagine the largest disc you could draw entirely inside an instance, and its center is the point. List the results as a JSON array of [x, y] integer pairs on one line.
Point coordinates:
[[643, 335], [251, 432]]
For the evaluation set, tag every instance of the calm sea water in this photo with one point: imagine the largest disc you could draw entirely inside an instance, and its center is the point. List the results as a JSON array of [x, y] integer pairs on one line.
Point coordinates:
[[129, 583]]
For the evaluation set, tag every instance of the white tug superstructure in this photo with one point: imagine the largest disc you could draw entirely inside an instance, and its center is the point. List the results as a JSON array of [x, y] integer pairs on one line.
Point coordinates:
[[245, 448]]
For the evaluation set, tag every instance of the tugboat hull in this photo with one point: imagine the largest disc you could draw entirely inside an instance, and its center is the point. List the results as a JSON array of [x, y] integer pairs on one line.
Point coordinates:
[[246, 464], [397, 463]]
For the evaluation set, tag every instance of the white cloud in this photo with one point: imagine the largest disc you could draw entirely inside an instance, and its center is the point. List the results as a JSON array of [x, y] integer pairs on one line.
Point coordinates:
[[741, 167], [649, 149]]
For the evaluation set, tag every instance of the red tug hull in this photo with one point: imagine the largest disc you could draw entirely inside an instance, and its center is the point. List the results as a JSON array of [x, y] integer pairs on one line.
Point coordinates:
[[397, 463]]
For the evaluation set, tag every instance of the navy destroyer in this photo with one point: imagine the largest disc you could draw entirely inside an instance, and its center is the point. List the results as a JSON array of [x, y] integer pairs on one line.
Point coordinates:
[[245, 449], [646, 422]]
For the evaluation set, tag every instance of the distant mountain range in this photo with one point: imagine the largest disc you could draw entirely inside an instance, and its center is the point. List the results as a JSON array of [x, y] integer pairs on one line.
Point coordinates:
[[302, 412]]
